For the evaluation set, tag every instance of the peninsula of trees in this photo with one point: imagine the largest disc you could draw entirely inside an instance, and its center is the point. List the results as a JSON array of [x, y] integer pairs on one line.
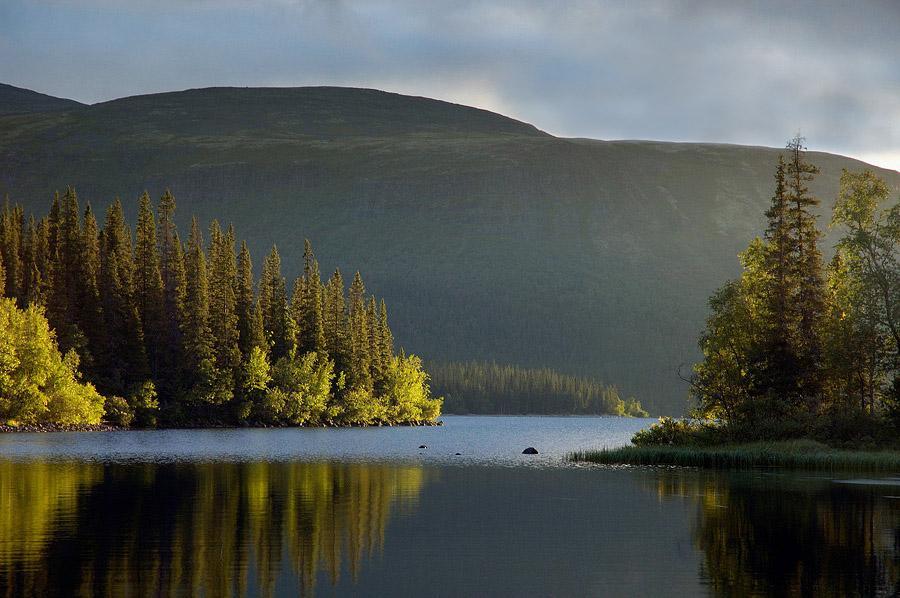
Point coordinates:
[[161, 332], [492, 388], [795, 349]]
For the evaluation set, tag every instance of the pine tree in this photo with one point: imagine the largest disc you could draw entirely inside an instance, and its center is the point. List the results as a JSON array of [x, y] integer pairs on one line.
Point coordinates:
[[89, 309], [273, 303], [359, 375], [11, 233], [335, 321], [308, 299], [125, 361], [244, 301], [386, 336], [809, 298], [171, 269], [376, 366], [63, 311], [148, 284], [223, 304], [197, 352]]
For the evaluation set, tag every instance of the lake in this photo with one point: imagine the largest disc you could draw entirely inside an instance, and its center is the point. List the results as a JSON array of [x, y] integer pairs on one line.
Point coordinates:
[[367, 512]]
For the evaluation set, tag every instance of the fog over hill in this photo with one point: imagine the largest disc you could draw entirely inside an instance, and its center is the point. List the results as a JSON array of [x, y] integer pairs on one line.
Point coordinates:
[[489, 238]]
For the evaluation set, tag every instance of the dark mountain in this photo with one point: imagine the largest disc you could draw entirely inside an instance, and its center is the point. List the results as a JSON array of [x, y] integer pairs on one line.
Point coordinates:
[[490, 239], [15, 100]]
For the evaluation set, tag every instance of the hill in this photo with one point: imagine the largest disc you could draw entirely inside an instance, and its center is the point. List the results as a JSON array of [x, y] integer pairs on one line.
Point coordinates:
[[15, 100], [491, 239]]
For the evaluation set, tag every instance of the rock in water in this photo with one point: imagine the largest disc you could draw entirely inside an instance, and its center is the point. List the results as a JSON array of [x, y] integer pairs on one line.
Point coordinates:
[[530, 451]]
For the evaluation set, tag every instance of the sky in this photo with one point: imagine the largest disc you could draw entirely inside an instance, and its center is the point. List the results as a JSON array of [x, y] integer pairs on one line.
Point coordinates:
[[752, 72]]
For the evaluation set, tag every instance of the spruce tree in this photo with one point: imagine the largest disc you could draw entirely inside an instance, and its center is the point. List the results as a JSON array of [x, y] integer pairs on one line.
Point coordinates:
[[308, 312], [386, 336], [335, 321], [273, 303], [376, 365], [148, 284], [223, 305], [244, 301], [89, 309], [10, 251], [171, 268], [125, 361], [359, 375], [198, 365], [62, 311], [806, 260]]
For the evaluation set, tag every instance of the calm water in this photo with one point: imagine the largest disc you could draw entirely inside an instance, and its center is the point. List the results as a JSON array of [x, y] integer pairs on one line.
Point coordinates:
[[365, 512]]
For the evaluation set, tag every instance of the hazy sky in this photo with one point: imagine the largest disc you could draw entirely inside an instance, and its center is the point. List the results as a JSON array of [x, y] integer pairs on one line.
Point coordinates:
[[680, 70]]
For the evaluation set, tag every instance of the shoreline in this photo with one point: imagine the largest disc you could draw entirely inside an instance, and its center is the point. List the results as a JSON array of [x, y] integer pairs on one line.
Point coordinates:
[[790, 455], [52, 428]]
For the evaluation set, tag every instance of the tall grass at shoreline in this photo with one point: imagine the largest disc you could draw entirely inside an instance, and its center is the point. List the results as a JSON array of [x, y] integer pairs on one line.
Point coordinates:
[[796, 454]]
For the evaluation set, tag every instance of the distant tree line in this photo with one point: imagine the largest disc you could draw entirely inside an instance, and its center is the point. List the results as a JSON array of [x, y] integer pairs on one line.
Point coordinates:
[[793, 348], [172, 332], [491, 388]]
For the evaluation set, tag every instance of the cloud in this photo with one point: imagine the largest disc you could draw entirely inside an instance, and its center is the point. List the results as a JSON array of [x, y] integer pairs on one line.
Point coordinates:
[[697, 70]]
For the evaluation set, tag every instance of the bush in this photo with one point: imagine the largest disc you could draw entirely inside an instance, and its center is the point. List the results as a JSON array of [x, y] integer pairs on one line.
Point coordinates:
[[145, 405], [38, 384], [673, 432], [118, 412]]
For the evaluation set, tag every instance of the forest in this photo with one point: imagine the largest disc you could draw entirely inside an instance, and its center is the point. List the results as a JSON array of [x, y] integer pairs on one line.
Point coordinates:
[[139, 328], [797, 349], [491, 388]]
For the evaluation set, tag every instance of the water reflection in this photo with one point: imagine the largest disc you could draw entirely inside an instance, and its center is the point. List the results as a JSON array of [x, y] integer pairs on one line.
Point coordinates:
[[216, 529], [782, 535]]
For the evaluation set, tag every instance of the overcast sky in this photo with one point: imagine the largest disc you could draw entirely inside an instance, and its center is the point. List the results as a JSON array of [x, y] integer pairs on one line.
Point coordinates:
[[679, 70]]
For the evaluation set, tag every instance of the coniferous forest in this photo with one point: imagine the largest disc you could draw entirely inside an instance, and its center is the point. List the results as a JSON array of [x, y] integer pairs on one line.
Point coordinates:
[[492, 388], [143, 328]]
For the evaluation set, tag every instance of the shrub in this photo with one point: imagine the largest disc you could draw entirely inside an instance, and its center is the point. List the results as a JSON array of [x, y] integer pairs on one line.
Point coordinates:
[[145, 405], [672, 432], [118, 412]]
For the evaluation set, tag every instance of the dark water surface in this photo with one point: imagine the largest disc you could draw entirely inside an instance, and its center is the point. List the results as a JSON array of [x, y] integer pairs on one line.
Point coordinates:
[[365, 512]]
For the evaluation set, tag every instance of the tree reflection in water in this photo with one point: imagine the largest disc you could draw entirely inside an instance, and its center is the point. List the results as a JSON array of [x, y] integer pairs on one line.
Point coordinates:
[[783, 535], [214, 529]]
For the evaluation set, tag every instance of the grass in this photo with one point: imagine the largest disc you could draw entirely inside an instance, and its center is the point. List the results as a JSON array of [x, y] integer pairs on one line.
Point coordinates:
[[796, 454]]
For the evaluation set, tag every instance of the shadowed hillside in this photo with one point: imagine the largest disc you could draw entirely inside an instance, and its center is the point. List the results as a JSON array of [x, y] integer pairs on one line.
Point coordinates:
[[15, 100], [491, 239]]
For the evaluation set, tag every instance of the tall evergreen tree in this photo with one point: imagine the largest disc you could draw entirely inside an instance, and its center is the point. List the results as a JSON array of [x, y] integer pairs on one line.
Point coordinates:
[[125, 361], [63, 311], [171, 269], [11, 221], [335, 321], [148, 284], [809, 299], [197, 343], [359, 375], [273, 304], [223, 304], [89, 308], [244, 301], [308, 313]]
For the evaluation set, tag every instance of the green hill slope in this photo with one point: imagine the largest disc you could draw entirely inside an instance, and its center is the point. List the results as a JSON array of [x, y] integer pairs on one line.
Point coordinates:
[[491, 239]]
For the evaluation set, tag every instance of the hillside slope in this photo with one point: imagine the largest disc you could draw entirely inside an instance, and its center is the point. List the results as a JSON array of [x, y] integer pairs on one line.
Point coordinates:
[[16, 100], [490, 239]]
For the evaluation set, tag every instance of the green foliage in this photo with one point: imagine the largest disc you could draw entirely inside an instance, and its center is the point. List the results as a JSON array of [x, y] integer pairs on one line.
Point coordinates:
[[118, 412], [300, 389], [670, 432], [38, 384], [488, 387], [144, 404], [406, 396]]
